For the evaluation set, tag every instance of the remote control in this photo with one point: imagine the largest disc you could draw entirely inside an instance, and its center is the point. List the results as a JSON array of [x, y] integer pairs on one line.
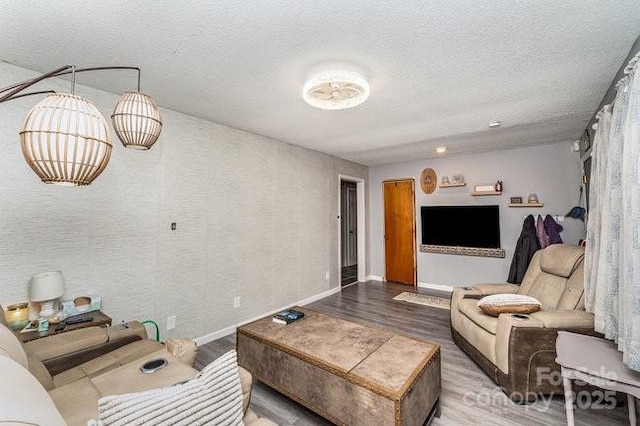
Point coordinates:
[[78, 320]]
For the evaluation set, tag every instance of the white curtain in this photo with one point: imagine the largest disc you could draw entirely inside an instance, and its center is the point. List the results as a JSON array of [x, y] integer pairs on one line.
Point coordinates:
[[596, 190], [612, 274]]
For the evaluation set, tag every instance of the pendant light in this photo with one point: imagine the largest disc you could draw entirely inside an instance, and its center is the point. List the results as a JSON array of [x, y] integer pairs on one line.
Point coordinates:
[[66, 140], [136, 120]]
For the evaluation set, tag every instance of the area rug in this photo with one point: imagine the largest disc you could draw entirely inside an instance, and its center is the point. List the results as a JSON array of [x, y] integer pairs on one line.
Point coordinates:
[[423, 299]]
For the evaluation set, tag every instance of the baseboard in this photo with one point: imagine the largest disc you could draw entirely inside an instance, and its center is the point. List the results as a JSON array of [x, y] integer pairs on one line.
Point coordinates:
[[439, 287], [202, 340]]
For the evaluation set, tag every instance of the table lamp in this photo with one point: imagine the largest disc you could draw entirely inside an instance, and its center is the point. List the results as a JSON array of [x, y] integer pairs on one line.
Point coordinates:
[[46, 288]]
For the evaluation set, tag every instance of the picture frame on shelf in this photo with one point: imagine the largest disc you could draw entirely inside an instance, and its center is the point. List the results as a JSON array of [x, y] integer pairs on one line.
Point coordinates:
[[516, 200]]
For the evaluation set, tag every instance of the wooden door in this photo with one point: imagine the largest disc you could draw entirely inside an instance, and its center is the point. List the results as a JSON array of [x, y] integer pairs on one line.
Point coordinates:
[[399, 231]]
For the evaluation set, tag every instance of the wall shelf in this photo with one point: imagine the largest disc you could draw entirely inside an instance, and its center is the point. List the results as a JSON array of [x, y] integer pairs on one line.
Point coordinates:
[[463, 251], [482, 193], [526, 204], [452, 185]]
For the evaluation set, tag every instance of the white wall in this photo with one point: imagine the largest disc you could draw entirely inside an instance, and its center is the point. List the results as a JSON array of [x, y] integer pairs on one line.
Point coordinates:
[[551, 171], [256, 218]]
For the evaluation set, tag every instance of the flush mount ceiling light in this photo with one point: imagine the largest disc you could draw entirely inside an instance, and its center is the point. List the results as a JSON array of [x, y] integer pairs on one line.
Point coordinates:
[[337, 89], [441, 149], [64, 138]]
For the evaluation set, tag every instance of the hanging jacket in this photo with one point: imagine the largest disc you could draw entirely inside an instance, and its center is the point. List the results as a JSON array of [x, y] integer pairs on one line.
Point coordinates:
[[553, 230], [543, 238], [526, 246]]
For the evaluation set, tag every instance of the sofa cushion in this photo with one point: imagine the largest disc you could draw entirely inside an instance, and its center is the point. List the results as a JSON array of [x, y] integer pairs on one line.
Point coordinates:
[[40, 372], [470, 309], [109, 361], [3, 319], [573, 294], [24, 400], [214, 394], [77, 401], [252, 419], [507, 303], [245, 381], [11, 347], [561, 259], [547, 289]]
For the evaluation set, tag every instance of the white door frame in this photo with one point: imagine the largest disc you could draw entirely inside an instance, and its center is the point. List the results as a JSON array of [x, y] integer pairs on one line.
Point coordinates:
[[360, 224]]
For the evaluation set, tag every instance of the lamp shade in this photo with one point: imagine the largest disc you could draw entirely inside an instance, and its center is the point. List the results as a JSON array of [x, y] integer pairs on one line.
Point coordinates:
[[136, 120], [46, 286], [65, 140]]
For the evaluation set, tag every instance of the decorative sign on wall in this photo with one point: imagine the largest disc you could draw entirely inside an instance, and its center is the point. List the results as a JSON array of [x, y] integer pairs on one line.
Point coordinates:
[[428, 180]]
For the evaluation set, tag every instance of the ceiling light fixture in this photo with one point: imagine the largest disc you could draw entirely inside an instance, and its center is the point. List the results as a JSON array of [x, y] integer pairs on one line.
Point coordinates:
[[441, 149], [495, 123], [65, 139], [337, 89]]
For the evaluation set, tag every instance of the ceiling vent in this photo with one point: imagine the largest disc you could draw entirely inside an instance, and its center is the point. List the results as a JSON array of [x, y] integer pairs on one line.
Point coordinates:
[[335, 90]]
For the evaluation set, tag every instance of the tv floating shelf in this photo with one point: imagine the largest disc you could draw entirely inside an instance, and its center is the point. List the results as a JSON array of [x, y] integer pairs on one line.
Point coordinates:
[[526, 204], [481, 193], [463, 251], [452, 185]]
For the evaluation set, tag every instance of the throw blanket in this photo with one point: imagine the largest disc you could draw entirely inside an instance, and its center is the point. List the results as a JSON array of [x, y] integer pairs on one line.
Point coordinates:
[[212, 398]]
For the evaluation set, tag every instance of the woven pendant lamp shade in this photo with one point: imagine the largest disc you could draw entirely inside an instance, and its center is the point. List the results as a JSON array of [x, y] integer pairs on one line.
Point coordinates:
[[65, 140], [136, 120]]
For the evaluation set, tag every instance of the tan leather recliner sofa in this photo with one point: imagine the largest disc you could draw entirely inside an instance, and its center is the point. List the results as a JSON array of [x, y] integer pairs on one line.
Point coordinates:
[[31, 394], [519, 355]]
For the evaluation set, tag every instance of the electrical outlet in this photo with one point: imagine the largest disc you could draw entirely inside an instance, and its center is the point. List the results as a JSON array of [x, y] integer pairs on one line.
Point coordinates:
[[171, 322], [327, 276], [236, 302]]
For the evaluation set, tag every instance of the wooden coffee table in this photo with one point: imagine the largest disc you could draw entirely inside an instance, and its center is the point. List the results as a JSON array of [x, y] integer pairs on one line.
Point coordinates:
[[349, 373]]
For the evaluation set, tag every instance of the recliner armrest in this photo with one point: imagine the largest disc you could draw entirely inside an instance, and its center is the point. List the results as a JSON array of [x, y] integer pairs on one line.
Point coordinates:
[[564, 319], [71, 342], [499, 288], [478, 291], [65, 343], [522, 339], [465, 293]]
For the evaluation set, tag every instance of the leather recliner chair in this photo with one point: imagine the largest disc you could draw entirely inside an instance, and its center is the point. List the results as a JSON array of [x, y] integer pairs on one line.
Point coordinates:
[[31, 393], [519, 354]]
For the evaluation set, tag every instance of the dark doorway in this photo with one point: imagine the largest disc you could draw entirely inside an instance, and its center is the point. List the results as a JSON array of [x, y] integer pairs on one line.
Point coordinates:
[[349, 230]]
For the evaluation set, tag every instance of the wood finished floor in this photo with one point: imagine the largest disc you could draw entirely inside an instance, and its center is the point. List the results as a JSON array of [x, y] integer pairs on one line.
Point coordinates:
[[469, 397]]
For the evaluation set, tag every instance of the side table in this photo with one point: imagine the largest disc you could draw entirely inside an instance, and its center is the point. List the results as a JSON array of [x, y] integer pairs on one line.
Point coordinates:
[[98, 319]]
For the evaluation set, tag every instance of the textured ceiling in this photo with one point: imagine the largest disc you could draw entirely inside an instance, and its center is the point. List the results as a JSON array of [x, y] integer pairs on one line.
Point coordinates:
[[439, 71]]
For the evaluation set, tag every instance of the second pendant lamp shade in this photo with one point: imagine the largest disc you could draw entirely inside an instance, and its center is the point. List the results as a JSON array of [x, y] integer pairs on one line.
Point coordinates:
[[65, 140], [136, 120]]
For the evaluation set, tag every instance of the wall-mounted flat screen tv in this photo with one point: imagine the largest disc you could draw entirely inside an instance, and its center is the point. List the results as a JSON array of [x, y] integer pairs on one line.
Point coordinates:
[[461, 226]]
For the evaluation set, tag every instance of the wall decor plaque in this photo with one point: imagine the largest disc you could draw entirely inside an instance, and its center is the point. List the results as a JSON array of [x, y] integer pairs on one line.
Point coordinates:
[[428, 180]]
